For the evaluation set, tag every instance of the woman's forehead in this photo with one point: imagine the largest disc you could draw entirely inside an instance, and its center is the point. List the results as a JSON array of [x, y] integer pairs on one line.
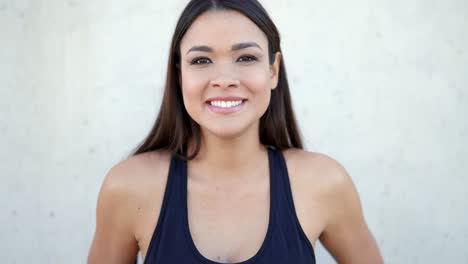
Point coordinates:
[[222, 30]]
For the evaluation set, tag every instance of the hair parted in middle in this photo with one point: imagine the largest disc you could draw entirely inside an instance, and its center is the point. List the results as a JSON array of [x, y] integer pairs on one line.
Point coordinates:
[[174, 128]]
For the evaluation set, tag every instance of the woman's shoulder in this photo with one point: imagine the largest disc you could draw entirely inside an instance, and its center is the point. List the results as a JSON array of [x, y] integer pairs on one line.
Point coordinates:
[[319, 163], [128, 192], [137, 175], [327, 192], [318, 171]]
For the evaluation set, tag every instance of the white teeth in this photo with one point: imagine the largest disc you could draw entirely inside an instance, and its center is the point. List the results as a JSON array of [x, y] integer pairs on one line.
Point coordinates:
[[225, 104]]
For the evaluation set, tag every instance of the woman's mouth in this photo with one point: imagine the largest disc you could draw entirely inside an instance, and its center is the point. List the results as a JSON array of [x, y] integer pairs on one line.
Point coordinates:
[[226, 106]]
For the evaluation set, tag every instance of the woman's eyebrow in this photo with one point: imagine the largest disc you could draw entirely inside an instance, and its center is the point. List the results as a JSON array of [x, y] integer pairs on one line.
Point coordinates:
[[238, 46], [200, 48], [244, 45]]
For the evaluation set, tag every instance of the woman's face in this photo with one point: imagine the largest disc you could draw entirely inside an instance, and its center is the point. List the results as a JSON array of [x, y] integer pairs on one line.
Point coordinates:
[[225, 76]]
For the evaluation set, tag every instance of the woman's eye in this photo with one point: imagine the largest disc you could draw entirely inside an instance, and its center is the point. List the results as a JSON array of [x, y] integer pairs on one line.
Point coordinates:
[[247, 58], [199, 61]]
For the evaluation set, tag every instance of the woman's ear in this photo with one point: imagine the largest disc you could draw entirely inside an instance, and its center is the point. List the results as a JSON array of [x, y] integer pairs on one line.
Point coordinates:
[[274, 69]]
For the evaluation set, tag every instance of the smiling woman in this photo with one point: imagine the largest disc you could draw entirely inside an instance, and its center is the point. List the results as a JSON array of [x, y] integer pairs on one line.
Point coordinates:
[[225, 71], [222, 177]]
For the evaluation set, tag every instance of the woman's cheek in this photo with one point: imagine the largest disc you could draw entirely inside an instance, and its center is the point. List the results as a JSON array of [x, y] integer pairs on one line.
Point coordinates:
[[192, 92], [256, 79], [193, 83]]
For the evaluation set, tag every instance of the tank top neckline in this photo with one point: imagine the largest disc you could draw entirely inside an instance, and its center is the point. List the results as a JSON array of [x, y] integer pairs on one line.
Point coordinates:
[[188, 235]]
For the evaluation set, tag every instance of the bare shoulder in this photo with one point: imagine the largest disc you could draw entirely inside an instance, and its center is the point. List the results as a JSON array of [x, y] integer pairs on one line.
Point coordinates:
[[326, 182], [328, 179], [134, 173], [319, 169], [125, 195], [136, 182]]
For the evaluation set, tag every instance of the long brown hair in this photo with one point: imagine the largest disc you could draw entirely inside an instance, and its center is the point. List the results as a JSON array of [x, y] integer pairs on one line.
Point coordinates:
[[174, 127]]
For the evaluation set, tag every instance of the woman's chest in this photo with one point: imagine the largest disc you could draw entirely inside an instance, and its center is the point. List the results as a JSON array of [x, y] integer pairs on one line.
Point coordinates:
[[229, 227], [232, 227]]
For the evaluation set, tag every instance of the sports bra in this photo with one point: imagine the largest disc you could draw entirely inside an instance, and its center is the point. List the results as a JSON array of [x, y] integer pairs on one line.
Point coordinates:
[[285, 241]]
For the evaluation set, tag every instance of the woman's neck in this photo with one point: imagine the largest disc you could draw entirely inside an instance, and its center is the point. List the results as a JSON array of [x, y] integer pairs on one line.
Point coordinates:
[[230, 157]]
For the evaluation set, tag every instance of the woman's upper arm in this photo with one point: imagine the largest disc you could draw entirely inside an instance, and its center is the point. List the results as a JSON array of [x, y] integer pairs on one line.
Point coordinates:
[[346, 235], [114, 240]]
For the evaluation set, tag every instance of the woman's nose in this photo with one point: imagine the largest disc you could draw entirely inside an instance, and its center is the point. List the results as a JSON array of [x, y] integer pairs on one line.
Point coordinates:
[[225, 77], [225, 83]]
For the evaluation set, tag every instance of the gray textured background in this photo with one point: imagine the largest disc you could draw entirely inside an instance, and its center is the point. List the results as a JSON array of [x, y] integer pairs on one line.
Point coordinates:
[[379, 85]]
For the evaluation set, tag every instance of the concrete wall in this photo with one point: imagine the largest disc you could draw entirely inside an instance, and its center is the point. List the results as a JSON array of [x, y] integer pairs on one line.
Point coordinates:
[[382, 86]]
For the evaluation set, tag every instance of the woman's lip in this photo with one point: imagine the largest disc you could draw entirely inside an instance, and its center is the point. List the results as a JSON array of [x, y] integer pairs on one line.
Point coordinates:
[[226, 110], [226, 98]]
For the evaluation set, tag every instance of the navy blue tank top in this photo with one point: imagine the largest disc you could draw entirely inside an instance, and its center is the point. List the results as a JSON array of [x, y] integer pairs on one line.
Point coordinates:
[[285, 241]]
